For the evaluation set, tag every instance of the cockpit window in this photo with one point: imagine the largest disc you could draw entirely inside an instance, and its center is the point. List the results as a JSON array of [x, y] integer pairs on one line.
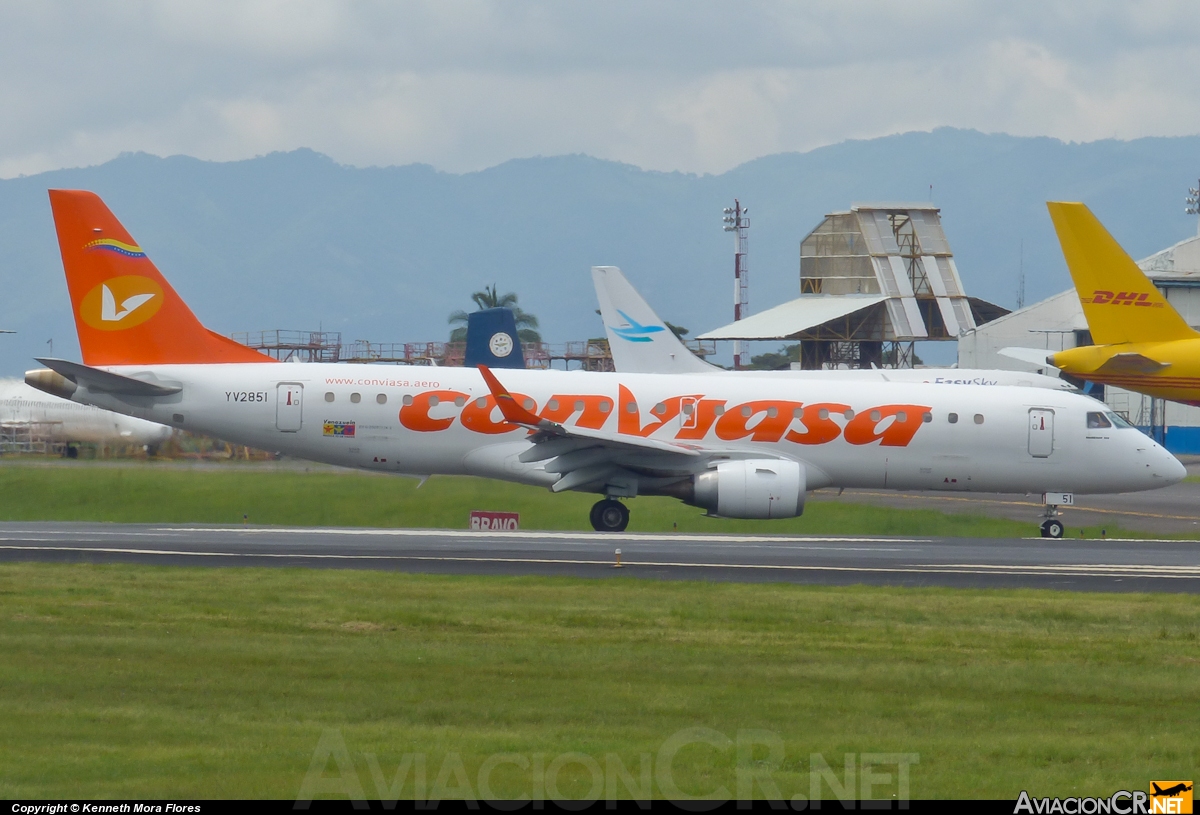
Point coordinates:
[[1097, 420], [1118, 420]]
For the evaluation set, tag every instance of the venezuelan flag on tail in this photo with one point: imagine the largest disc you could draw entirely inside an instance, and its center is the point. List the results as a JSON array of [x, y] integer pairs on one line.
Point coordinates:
[[1119, 301], [126, 313]]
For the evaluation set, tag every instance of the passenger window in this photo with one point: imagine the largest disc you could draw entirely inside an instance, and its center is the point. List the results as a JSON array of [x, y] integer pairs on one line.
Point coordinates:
[[329, 396], [927, 418], [952, 418], [356, 398], [381, 398], [978, 418], [1096, 420]]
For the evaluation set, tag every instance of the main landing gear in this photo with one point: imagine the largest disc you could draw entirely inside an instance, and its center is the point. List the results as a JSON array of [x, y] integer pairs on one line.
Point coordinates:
[[609, 515]]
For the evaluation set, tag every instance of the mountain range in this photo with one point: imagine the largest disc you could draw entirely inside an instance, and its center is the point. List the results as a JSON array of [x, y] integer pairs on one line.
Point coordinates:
[[297, 241]]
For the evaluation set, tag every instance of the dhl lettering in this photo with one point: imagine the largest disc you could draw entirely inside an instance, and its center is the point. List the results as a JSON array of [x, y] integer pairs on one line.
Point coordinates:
[[593, 410], [416, 416], [774, 418], [763, 420], [906, 420], [1122, 298], [818, 422]]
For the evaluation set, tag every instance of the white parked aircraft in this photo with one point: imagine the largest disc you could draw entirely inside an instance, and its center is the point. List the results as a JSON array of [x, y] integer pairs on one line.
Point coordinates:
[[68, 422], [641, 343], [741, 447]]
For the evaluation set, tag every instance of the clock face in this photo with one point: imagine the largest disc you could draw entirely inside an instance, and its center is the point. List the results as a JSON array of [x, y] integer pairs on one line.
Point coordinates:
[[500, 344]]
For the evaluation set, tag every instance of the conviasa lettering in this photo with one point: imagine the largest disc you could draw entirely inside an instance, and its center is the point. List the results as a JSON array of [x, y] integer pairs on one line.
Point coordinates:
[[690, 417]]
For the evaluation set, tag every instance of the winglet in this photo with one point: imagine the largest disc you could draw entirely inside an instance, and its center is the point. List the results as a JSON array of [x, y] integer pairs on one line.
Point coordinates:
[[513, 411]]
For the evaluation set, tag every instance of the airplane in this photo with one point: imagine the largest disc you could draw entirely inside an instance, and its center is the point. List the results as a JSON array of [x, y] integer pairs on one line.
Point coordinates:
[[640, 343], [1170, 792], [1142, 343], [740, 447], [70, 422]]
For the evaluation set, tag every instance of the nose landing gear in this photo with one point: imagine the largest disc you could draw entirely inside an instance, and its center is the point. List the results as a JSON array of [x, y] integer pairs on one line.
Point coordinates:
[[609, 515], [1051, 526]]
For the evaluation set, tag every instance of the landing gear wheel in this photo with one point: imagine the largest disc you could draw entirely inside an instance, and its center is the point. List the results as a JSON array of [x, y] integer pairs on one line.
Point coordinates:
[[1052, 529], [609, 516]]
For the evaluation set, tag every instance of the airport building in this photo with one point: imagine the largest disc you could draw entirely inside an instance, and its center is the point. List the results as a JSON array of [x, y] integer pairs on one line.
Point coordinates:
[[874, 280]]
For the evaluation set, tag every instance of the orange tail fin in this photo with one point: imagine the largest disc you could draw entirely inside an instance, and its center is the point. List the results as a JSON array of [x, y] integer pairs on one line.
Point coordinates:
[[126, 313]]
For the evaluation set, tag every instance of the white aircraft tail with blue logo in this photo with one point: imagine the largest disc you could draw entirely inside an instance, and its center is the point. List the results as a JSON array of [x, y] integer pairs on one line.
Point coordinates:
[[639, 339]]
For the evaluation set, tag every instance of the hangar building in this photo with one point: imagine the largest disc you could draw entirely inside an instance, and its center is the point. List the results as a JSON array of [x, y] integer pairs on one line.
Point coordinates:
[[873, 280]]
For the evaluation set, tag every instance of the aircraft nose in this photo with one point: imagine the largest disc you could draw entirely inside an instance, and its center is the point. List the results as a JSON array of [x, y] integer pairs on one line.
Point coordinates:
[[1169, 469]]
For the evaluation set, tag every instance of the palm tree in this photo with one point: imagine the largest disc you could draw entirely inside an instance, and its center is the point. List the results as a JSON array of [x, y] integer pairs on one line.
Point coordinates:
[[527, 324]]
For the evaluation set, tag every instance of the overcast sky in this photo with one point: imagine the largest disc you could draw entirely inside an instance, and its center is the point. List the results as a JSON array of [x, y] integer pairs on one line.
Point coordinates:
[[693, 86]]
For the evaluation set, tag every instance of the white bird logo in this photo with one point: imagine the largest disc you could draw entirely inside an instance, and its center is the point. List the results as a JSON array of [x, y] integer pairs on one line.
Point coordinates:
[[108, 305]]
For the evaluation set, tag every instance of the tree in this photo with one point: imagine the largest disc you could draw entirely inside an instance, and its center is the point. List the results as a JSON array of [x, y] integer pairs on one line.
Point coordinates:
[[678, 330], [780, 360], [527, 324]]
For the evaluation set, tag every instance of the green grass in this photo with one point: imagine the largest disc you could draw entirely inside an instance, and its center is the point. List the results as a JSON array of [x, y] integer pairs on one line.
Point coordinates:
[[149, 493], [132, 681]]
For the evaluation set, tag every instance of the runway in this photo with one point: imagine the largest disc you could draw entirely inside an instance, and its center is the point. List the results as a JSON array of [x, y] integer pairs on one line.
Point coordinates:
[[1085, 565]]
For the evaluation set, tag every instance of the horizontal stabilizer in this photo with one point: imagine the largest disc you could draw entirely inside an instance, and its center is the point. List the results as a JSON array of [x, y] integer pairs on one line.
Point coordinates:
[[1131, 364], [1030, 356], [95, 379]]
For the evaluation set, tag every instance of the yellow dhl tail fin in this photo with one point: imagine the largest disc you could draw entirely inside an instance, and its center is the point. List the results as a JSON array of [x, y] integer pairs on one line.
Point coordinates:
[[1119, 301]]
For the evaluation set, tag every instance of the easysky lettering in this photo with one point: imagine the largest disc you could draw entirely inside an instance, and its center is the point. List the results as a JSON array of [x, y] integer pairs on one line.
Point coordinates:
[[689, 417]]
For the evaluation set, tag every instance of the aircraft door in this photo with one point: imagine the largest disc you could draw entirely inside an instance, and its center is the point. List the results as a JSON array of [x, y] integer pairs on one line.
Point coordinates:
[[1041, 432], [688, 415], [289, 406]]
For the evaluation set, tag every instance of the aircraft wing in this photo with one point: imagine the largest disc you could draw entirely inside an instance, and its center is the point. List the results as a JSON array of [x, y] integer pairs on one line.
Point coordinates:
[[1030, 356], [1131, 364], [581, 456]]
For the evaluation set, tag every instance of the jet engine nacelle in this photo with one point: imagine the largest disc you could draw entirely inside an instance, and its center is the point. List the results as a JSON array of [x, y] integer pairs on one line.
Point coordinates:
[[753, 488]]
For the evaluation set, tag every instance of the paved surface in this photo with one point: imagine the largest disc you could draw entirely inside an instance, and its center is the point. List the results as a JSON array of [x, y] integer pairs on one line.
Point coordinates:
[[1094, 565], [1173, 510]]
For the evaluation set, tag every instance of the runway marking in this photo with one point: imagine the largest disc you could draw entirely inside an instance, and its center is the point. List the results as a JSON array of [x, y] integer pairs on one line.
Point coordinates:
[[588, 537], [980, 569], [476, 534], [1033, 504]]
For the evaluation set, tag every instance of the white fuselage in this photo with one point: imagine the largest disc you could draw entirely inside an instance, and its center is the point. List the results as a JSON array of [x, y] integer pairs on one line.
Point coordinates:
[[845, 433], [63, 420]]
